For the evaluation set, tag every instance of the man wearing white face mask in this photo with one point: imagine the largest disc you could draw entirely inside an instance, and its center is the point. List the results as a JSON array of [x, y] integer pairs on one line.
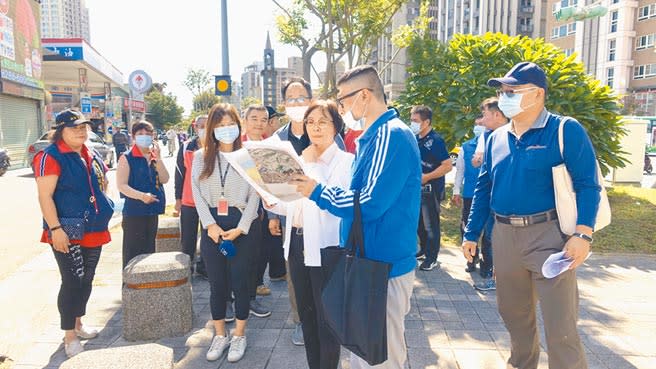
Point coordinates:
[[435, 164], [516, 184]]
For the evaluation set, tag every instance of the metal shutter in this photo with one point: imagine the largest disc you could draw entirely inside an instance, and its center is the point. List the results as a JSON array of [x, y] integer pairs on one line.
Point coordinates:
[[19, 127]]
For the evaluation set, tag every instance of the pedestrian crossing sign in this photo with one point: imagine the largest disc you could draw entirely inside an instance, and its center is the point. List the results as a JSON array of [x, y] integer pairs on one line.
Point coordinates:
[[222, 86]]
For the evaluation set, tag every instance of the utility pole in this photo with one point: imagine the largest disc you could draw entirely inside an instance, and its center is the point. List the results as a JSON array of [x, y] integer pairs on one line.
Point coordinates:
[[225, 63]]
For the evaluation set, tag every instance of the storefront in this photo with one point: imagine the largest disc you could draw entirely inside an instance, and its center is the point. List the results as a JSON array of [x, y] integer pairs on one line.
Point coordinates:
[[21, 78]]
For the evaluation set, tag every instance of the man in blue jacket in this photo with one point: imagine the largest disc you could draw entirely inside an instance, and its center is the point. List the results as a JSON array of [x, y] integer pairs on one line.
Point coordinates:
[[387, 172], [516, 184]]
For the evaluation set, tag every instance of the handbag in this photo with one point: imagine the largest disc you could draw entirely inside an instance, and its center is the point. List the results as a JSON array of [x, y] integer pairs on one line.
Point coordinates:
[[566, 196], [73, 227], [354, 295]]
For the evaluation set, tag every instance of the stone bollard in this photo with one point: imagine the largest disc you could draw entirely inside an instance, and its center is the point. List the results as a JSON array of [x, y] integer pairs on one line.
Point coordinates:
[[168, 235], [157, 296]]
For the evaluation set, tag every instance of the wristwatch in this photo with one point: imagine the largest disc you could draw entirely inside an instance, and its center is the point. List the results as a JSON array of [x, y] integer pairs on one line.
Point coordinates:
[[582, 236]]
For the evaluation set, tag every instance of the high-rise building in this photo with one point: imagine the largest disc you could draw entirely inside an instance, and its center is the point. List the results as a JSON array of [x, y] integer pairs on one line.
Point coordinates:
[[251, 83], [512, 17], [616, 48], [65, 19], [269, 80], [294, 69]]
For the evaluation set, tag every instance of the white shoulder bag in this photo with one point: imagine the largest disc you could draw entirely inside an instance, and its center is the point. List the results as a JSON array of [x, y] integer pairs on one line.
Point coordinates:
[[566, 197]]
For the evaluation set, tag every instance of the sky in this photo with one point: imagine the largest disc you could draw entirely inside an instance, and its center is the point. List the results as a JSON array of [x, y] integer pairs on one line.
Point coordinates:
[[166, 38]]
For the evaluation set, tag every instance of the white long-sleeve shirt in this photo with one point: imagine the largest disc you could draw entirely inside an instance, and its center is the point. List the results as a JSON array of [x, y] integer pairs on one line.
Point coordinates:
[[460, 173], [320, 228]]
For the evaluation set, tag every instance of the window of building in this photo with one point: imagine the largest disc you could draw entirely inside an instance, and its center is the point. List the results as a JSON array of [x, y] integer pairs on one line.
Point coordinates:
[[569, 52], [563, 4], [571, 28], [644, 71], [610, 77], [615, 2], [612, 47], [646, 12], [614, 16], [564, 30], [645, 42]]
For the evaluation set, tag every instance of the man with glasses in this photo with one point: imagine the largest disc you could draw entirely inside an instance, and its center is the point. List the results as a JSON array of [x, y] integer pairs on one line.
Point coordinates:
[[516, 185], [387, 172], [435, 164]]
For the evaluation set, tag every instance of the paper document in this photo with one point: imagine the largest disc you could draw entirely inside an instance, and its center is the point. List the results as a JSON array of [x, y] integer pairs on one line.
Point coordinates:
[[557, 264], [268, 166]]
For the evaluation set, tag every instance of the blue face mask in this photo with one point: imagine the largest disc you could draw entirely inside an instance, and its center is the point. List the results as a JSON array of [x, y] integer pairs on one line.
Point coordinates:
[[143, 141], [415, 127], [226, 135], [478, 130]]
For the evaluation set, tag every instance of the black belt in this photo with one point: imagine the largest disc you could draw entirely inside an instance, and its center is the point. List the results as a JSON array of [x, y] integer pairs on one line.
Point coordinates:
[[527, 220], [297, 231]]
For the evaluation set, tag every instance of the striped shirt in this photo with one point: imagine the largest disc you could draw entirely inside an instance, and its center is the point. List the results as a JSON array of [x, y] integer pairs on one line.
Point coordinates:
[[207, 192]]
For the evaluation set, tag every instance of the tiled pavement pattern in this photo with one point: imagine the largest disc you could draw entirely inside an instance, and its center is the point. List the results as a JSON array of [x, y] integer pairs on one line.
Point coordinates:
[[449, 326]]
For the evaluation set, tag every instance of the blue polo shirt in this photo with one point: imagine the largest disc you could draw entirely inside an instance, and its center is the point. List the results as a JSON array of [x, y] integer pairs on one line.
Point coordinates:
[[516, 176], [433, 152]]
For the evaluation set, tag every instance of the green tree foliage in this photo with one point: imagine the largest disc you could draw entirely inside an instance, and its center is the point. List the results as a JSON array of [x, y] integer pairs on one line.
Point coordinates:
[[197, 81], [452, 79], [250, 100], [163, 109], [205, 100]]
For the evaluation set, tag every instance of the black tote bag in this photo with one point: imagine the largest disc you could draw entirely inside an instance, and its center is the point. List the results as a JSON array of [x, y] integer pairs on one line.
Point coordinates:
[[354, 295]]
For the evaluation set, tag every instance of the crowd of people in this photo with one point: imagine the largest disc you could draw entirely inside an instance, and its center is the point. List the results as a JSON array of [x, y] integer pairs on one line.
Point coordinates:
[[355, 145]]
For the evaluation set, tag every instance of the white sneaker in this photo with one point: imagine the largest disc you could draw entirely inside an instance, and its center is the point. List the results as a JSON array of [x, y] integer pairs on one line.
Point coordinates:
[[73, 348], [219, 344], [86, 333], [237, 348]]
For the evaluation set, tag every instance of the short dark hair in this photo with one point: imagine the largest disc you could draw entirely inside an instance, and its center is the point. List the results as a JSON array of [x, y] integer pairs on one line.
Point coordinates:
[[424, 112], [491, 104], [368, 77], [257, 108], [303, 82], [328, 108], [142, 125], [56, 134]]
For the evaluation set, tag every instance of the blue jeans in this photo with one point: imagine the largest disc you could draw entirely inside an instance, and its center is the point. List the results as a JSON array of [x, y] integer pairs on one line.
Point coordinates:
[[429, 225]]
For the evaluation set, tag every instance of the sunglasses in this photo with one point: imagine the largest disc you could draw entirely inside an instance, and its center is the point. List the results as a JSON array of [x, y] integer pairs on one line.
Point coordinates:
[[511, 93]]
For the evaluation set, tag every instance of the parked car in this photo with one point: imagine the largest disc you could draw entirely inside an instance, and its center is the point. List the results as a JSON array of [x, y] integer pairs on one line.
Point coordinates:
[[94, 142]]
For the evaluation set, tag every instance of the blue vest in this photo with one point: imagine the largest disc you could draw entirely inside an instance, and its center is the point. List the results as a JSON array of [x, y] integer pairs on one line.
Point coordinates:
[[143, 177], [471, 172], [73, 196]]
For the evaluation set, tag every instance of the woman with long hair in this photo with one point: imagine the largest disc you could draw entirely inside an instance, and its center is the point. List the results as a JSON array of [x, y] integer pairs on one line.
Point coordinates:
[[71, 184], [228, 209]]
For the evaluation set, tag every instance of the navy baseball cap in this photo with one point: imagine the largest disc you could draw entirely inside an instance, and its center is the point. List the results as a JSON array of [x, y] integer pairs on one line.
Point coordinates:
[[521, 74], [70, 118], [272, 112]]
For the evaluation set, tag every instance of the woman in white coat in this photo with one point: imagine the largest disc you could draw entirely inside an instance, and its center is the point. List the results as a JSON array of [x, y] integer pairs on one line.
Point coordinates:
[[308, 229]]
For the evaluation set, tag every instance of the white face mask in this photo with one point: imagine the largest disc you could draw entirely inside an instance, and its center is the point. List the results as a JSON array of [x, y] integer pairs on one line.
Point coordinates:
[[478, 130], [415, 127], [349, 119], [226, 135], [512, 106], [296, 113], [201, 133]]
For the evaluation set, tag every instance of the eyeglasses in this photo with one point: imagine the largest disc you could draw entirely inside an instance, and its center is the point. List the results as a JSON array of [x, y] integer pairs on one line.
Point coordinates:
[[340, 100], [511, 93], [298, 100], [321, 124]]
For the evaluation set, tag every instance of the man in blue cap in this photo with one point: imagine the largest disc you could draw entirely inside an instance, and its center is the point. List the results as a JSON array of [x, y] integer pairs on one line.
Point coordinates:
[[516, 185]]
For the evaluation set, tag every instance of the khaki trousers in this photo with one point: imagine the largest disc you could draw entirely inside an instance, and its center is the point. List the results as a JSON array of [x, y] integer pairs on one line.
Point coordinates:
[[399, 291], [519, 253]]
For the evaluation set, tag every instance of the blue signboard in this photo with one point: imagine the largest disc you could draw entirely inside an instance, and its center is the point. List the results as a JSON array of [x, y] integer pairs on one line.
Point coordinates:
[[64, 53], [85, 105]]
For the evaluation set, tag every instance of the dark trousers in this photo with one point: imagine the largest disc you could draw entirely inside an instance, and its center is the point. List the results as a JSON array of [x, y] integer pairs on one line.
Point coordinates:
[[429, 225], [269, 251], [226, 274], [139, 234], [74, 292], [321, 347], [189, 231], [486, 241]]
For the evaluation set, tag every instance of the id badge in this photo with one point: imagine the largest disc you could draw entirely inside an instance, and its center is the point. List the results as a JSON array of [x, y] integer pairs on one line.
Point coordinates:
[[222, 207]]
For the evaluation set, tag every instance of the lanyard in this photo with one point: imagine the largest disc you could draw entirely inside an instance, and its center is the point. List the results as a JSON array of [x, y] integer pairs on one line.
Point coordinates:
[[222, 174]]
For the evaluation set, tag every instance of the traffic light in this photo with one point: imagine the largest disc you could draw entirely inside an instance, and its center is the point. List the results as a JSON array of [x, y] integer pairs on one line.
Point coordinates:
[[580, 14], [222, 86]]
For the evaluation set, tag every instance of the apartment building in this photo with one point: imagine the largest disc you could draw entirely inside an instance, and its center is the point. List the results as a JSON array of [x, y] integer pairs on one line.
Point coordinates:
[[65, 19], [616, 48]]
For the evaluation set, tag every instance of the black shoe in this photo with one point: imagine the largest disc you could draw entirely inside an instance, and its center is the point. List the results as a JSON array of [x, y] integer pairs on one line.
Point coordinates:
[[428, 265], [471, 267], [258, 310], [420, 256]]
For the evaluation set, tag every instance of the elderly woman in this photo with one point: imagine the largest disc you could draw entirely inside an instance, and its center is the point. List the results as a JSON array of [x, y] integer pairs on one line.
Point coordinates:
[[309, 229], [71, 183], [140, 177], [227, 207]]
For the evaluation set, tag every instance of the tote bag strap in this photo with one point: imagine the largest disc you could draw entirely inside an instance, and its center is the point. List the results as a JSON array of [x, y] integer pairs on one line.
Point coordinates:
[[356, 236], [561, 140]]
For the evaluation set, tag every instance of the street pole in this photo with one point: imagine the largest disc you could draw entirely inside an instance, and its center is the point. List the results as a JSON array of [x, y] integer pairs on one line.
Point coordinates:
[[225, 65]]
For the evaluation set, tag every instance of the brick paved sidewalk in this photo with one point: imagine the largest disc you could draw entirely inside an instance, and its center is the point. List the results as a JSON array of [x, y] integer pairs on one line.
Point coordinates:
[[449, 326]]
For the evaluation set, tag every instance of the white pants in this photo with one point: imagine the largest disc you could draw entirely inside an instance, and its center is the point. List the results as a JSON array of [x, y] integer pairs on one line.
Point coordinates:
[[399, 290]]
